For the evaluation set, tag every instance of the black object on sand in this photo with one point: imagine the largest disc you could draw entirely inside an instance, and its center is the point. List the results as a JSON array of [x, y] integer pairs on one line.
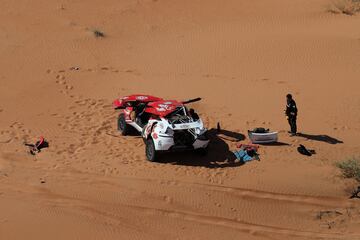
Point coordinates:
[[356, 193], [304, 151], [36, 148]]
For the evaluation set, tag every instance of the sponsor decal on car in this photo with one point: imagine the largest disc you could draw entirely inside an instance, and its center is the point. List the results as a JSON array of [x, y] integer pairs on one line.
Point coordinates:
[[165, 107], [154, 135], [141, 97]]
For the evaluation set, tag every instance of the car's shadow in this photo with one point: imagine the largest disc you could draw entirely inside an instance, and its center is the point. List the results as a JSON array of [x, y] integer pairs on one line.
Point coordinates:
[[218, 156]]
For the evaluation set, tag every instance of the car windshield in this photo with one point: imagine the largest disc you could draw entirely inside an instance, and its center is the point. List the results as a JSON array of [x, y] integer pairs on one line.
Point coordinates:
[[178, 113]]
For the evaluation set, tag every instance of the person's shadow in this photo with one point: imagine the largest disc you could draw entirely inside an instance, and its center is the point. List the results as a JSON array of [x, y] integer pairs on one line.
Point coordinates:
[[218, 155], [320, 138]]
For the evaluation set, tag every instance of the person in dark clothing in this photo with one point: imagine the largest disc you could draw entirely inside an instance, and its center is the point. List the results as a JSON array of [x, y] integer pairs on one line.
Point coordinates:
[[291, 114], [141, 117], [193, 114]]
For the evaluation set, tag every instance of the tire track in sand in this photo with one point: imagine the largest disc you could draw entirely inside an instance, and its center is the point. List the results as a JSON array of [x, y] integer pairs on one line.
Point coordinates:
[[246, 193], [115, 216]]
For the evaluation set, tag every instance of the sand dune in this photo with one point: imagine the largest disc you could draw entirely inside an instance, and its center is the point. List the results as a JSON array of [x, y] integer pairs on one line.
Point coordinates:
[[58, 80]]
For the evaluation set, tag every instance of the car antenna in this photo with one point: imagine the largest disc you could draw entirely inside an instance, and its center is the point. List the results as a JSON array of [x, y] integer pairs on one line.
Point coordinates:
[[192, 100]]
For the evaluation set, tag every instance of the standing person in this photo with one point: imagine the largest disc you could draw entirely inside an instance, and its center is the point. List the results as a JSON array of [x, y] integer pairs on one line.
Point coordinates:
[[291, 113]]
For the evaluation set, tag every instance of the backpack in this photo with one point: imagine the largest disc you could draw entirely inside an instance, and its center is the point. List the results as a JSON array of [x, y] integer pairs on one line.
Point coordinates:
[[260, 130]]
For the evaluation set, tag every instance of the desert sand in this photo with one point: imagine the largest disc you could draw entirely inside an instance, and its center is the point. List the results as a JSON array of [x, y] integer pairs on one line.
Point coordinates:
[[242, 57]]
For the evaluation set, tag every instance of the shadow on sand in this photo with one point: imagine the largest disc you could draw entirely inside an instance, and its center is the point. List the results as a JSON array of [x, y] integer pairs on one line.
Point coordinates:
[[218, 156], [320, 138]]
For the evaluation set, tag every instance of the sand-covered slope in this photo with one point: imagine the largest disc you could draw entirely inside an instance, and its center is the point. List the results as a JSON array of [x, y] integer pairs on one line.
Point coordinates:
[[242, 57]]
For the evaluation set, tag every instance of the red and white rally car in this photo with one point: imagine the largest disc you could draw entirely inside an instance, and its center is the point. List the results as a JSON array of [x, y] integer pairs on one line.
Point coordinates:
[[165, 125]]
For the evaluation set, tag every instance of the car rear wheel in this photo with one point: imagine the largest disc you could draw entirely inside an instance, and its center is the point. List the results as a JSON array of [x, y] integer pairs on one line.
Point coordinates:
[[122, 125], [150, 150]]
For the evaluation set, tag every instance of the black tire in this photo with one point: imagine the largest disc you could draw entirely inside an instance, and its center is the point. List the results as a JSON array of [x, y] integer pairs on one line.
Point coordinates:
[[150, 151], [122, 125], [202, 151]]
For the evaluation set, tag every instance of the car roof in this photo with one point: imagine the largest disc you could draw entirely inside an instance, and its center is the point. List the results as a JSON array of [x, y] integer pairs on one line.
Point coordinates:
[[140, 98], [118, 103]]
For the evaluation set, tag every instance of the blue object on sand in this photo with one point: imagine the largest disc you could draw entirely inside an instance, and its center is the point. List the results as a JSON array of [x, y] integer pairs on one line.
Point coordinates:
[[243, 156]]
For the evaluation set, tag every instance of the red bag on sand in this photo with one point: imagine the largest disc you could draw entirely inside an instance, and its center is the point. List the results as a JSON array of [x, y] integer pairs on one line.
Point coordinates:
[[36, 148], [40, 142], [247, 146]]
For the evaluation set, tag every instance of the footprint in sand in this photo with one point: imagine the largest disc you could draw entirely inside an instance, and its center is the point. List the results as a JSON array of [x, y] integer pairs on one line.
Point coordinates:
[[5, 137], [74, 68], [133, 71], [19, 132], [61, 80], [68, 87], [168, 199], [60, 77]]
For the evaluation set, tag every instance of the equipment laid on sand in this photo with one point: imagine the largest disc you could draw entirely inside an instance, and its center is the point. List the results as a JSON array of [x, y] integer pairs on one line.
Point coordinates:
[[36, 148], [262, 135], [247, 152], [304, 151], [165, 125]]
